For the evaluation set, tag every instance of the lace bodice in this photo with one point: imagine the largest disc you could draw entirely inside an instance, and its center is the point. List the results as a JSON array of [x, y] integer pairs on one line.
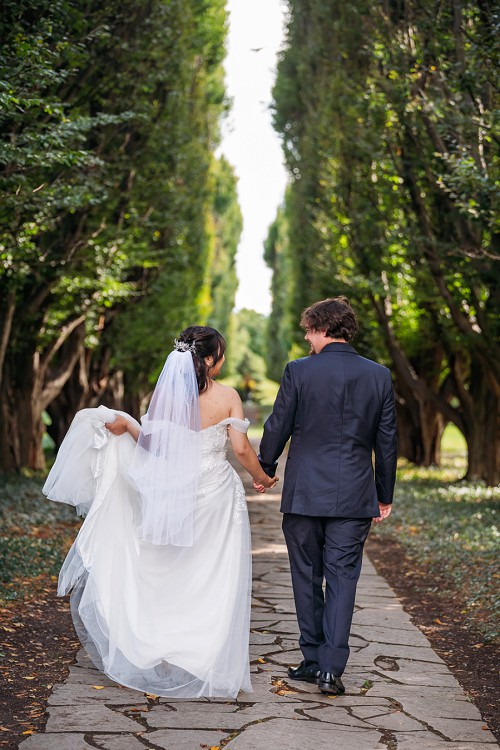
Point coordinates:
[[214, 442], [214, 464], [214, 439]]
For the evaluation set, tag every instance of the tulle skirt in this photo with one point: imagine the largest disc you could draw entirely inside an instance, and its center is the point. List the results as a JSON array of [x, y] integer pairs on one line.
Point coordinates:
[[171, 621]]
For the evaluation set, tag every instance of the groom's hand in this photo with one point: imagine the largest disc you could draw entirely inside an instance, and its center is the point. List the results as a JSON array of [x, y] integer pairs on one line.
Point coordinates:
[[385, 512], [271, 481]]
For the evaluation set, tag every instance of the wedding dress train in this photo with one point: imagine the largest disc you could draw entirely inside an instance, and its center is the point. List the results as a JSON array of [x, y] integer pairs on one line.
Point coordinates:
[[172, 621]]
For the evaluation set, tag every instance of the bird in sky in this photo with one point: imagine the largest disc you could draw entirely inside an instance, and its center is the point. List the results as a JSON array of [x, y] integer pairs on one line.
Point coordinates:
[[256, 49]]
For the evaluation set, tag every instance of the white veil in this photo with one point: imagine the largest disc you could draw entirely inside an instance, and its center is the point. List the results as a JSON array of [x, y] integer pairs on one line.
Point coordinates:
[[166, 464]]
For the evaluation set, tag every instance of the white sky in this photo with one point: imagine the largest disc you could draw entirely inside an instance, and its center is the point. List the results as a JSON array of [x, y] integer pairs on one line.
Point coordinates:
[[249, 141]]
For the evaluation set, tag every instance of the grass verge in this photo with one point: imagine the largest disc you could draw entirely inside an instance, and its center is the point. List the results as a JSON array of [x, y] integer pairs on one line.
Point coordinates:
[[451, 529], [35, 535]]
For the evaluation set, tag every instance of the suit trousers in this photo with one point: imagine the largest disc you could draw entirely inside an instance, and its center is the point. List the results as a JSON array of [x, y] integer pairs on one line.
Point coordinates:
[[325, 549]]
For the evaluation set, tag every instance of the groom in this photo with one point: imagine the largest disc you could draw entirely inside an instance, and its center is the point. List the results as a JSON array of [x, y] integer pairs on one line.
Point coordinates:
[[338, 408]]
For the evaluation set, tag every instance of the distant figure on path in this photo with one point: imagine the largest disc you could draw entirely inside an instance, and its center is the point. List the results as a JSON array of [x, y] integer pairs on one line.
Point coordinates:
[[338, 408]]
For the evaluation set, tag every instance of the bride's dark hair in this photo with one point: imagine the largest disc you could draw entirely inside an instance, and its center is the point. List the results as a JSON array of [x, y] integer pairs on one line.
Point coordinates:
[[208, 342]]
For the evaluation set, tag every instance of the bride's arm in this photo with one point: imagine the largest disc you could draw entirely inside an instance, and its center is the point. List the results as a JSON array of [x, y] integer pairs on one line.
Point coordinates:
[[121, 425], [243, 450]]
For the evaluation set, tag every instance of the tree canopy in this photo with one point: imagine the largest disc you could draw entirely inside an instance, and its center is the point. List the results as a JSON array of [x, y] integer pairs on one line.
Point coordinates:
[[390, 128], [118, 225]]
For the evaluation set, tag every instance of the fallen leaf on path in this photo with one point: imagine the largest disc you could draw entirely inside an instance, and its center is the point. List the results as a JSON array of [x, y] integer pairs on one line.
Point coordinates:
[[98, 687], [283, 688]]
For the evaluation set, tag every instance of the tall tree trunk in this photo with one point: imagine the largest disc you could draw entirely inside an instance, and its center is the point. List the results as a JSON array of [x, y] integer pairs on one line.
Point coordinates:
[[419, 433], [133, 405], [7, 309], [28, 387], [10, 448], [482, 428], [423, 407], [21, 426], [90, 384], [72, 398], [433, 425]]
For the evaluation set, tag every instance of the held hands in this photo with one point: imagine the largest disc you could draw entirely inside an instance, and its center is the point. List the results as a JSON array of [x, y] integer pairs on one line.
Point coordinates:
[[267, 484], [118, 427], [385, 512]]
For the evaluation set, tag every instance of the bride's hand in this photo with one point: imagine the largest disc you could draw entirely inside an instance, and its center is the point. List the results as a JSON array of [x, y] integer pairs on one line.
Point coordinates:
[[267, 484], [118, 427]]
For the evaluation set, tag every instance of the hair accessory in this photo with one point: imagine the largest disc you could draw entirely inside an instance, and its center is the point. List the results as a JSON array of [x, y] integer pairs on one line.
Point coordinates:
[[183, 346]]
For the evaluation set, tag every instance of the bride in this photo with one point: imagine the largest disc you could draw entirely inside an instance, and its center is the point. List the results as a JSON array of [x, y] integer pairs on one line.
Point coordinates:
[[160, 572]]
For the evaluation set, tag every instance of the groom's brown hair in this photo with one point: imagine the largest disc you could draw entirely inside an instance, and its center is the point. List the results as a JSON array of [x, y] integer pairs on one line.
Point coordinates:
[[334, 316]]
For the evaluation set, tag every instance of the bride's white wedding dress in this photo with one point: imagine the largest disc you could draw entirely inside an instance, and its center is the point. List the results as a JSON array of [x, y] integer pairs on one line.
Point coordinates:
[[172, 621]]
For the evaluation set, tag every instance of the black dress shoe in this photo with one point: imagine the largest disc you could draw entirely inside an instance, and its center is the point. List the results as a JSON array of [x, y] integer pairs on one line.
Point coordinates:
[[304, 672], [330, 684]]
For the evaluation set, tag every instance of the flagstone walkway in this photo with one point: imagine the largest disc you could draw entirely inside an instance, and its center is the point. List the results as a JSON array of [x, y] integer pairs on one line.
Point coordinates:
[[399, 694]]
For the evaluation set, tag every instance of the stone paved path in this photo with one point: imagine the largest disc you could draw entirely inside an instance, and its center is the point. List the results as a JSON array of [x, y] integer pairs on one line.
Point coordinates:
[[399, 693]]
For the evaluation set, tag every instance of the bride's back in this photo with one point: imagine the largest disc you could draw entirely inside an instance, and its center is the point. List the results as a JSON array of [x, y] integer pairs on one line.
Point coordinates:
[[218, 403]]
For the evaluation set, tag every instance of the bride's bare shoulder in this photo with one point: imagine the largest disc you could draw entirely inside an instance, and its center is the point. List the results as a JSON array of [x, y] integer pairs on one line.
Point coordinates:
[[218, 403], [231, 400], [227, 392]]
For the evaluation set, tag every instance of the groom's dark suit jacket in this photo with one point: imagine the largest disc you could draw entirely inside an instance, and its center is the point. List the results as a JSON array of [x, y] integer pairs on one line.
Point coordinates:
[[338, 407]]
